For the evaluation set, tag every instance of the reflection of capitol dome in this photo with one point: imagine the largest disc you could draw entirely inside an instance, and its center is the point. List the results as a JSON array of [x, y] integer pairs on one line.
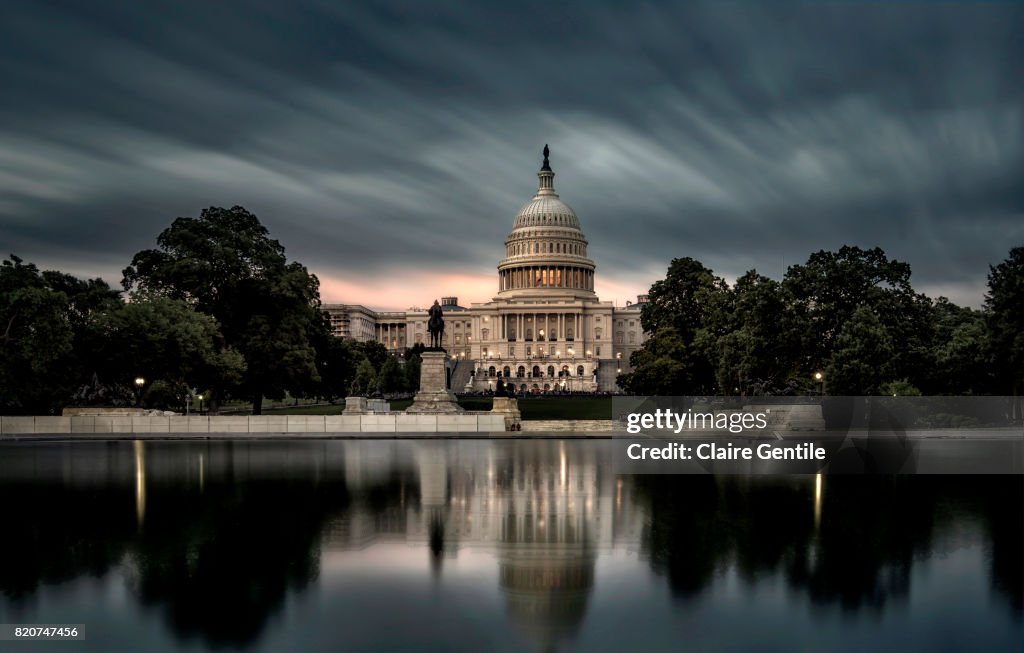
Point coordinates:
[[546, 557], [546, 592], [546, 252]]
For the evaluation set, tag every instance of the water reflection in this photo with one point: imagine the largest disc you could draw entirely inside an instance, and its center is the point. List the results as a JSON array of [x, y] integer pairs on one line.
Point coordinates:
[[215, 537]]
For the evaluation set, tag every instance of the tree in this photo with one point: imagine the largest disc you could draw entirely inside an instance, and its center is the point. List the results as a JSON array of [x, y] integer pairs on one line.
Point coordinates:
[[682, 299], [863, 354], [372, 351], [164, 340], [659, 367], [366, 377], [413, 364], [757, 343], [35, 338], [830, 288], [224, 264], [961, 356], [676, 359], [391, 377], [337, 367], [1004, 307]]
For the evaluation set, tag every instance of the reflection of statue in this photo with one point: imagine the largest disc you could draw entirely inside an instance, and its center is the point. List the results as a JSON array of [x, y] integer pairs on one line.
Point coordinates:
[[435, 325]]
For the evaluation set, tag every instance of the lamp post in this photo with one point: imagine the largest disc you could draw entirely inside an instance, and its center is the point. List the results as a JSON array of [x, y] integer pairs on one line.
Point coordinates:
[[200, 398], [139, 382], [820, 378]]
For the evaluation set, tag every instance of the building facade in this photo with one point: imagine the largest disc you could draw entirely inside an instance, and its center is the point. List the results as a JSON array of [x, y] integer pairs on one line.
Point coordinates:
[[545, 330]]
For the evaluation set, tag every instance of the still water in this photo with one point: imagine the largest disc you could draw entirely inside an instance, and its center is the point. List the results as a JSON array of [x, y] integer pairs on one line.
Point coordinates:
[[493, 546]]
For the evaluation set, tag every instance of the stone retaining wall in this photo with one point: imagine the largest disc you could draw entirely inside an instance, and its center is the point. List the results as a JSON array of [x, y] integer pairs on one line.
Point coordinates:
[[372, 423]]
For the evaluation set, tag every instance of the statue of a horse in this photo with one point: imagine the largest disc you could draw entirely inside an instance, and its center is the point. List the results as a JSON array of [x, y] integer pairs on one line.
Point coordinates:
[[435, 325]]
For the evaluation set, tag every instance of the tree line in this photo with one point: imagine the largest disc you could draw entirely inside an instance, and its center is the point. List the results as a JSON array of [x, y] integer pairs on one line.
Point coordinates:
[[846, 322], [216, 307]]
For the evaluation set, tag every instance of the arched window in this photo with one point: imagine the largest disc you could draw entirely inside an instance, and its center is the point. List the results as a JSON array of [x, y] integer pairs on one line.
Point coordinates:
[[551, 370], [579, 370], [521, 372], [506, 371], [491, 371], [536, 370]]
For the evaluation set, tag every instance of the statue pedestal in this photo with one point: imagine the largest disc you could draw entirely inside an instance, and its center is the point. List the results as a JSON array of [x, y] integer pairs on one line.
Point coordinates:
[[509, 408], [434, 395], [355, 406]]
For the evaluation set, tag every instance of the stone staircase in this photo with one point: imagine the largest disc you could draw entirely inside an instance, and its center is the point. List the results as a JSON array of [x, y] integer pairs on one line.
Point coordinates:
[[461, 374], [606, 374]]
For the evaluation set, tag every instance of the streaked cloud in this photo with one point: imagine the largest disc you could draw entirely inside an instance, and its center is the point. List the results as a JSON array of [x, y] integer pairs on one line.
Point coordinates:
[[389, 146]]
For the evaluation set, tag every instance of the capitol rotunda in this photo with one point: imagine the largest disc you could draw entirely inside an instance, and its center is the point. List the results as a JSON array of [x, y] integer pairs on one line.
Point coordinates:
[[545, 330]]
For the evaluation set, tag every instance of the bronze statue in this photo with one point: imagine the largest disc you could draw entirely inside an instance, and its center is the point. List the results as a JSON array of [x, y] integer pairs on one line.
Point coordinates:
[[546, 166], [435, 325]]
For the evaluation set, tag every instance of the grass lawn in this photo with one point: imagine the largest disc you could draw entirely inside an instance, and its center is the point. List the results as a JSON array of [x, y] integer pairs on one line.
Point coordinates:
[[531, 407]]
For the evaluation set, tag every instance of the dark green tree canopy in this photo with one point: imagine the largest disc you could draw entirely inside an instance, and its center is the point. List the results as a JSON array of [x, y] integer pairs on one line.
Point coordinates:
[[35, 340], [225, 264], [1004, 304], [682, 299]]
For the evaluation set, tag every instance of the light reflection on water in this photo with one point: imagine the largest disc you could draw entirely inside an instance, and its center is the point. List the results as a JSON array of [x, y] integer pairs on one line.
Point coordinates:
[[503, 545]]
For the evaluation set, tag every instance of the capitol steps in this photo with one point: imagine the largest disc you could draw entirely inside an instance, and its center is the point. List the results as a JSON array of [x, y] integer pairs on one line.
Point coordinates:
[[607, 375], [462, 372]]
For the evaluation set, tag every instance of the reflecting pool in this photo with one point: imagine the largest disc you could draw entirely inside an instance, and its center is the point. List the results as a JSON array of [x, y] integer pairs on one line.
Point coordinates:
[[506, 545]]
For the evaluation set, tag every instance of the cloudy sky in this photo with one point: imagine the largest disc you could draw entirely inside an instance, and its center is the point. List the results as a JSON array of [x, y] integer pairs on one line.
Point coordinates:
[[389, 146]]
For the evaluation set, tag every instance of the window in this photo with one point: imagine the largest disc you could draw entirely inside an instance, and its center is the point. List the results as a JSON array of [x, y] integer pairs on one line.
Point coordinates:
[[491, 371], [521, 371], [551, 370], [579, 370], [597, 351], [536, 370], [506, 371]]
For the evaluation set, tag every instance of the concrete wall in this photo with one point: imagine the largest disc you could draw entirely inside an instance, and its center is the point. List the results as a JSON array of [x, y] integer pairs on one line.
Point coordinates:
[[386, 423]]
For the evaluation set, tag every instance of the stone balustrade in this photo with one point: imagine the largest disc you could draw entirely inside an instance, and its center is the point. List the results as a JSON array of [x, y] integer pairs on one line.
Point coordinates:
[[394, 422]]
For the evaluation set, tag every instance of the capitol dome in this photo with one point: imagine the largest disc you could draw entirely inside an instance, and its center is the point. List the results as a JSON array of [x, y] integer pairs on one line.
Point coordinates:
[[546, 252]]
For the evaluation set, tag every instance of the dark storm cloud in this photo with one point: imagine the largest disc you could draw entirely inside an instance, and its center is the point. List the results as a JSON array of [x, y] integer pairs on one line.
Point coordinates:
[[367, 136]]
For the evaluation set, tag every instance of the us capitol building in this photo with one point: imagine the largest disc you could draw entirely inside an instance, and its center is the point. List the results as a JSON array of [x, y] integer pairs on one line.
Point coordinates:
[[544, 331]]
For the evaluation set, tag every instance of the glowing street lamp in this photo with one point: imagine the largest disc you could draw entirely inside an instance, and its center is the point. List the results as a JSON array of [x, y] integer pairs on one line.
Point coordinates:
[[820, 378], [139, 382]]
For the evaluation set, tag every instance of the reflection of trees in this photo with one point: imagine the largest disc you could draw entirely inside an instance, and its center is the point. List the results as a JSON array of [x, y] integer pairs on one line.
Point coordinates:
[[218, 555], [56, 533], [221, 562], [872, 530]]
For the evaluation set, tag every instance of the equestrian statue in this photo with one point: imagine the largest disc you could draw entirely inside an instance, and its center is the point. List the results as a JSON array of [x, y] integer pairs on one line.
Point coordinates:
[[435, 326]]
